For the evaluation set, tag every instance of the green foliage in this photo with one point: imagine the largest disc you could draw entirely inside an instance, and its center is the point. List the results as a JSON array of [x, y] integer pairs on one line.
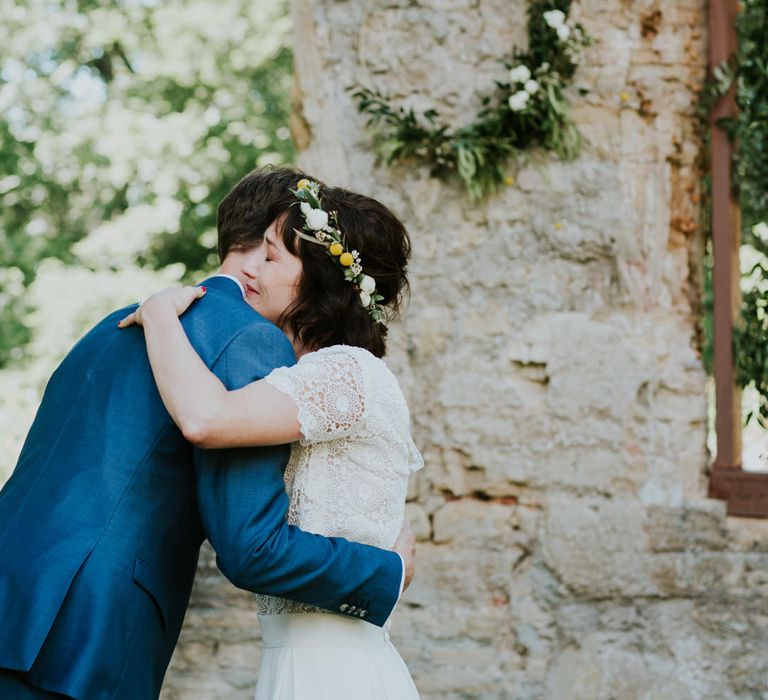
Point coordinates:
[[122, 125], [479, 153], [750, 130], [748, 69]]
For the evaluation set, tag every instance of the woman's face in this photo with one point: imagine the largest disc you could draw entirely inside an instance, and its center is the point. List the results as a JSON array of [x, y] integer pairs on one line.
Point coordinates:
[[269, 273]]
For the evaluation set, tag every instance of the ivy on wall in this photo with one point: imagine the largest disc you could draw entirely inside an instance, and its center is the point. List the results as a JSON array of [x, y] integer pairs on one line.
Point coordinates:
[[748, 70], [750, 130], [527, 110]]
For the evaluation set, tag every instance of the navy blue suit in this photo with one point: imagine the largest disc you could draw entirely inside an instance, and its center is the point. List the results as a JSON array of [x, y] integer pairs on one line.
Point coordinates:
[[103, 517]]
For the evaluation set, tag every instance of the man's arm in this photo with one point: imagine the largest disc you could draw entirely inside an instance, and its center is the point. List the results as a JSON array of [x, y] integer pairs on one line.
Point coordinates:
[[243, 505]]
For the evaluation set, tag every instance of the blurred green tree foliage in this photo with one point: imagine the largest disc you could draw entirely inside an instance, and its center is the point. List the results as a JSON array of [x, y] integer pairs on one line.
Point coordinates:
[[122, 125]]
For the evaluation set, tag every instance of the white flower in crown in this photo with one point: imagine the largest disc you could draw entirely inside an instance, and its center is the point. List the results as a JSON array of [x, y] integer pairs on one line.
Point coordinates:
[[554, 18], [519, 100], [316, 219], [519, 74], [563, 32], [367, 284], [761, 231], [531, 87]]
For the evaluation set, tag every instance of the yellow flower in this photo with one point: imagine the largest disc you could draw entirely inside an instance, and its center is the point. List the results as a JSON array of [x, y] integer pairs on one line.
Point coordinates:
[[336, 249], [509, 180], [302, 184], [624, 96], [559, 225], [346, 259]]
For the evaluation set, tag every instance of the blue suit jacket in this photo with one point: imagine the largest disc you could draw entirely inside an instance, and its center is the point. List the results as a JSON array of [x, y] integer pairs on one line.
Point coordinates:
[[103, 517]]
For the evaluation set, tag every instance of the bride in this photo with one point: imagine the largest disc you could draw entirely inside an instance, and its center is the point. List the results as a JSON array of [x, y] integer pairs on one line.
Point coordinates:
[[330, 272]]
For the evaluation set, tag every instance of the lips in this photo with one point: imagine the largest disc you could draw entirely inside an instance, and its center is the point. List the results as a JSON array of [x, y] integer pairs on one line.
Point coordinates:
[[250, 290]]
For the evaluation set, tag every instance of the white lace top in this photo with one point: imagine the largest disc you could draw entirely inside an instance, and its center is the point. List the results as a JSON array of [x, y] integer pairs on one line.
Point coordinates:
[[348, 476]]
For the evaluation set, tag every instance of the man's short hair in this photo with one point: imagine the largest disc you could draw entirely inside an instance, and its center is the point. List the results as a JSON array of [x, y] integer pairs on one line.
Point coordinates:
[[253, 204]]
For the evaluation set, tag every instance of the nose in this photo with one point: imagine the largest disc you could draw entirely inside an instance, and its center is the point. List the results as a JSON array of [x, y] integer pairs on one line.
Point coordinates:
[[251, 262]]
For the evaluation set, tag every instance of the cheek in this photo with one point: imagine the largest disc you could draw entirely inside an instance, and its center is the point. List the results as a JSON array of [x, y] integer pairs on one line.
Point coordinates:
[[292, 282], [290, 292], [253, 302]]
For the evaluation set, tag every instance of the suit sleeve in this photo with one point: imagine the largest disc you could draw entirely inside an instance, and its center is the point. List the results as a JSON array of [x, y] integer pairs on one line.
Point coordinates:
[[243, 506]]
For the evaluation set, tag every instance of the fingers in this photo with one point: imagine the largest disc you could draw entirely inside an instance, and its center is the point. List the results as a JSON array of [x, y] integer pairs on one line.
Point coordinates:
[[187, 297], [406, 548], [177, 298], [129, 320]]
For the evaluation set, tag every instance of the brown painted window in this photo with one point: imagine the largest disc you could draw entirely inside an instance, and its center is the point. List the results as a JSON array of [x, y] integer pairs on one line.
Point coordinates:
[[746, 492]]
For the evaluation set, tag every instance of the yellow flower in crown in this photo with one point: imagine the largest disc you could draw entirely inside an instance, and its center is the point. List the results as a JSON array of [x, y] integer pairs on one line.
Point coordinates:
[[322, 227]]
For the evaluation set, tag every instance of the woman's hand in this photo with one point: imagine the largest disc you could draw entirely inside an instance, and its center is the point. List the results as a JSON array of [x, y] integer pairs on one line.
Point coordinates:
[[174, 299]]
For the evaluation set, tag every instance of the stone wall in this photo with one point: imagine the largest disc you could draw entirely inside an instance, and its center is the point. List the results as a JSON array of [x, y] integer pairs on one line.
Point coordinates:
[[566, 546]]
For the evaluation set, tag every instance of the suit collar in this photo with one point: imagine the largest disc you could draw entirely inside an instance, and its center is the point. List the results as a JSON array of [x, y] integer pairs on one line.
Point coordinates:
[[224, 283]]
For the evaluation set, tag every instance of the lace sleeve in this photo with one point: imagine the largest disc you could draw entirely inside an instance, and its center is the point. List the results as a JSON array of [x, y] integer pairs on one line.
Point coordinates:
[[327, 388]]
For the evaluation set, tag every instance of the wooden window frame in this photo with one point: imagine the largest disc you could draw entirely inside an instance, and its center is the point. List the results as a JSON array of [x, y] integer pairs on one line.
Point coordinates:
[[746, 493]]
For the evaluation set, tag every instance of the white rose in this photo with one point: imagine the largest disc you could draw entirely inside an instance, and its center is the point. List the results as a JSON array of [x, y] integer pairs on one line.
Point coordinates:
[[761, 230], [531, 87], [316, 219], [519, 74], [563, 32], [365, 299], [518, 101], [368, 284], [554, 18], [305, 208]]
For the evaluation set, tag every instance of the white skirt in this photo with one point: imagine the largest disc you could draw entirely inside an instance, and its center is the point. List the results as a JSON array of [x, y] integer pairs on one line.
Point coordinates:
[[328, 657]]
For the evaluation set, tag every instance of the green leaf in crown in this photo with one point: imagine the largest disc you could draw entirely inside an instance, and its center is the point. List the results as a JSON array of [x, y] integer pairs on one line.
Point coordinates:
[[322, 227]]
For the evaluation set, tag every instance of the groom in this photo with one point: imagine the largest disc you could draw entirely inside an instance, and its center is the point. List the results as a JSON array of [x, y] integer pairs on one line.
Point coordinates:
[[103, 517]]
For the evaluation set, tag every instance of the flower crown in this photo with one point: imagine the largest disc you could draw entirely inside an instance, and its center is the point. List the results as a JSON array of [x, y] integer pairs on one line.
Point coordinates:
[[323, 228]]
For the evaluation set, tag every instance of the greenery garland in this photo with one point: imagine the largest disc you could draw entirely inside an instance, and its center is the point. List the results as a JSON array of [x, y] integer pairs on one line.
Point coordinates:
[[527, 110]]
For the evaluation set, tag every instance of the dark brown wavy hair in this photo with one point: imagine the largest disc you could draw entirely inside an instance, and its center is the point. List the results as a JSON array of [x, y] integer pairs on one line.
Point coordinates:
[[327, 309]]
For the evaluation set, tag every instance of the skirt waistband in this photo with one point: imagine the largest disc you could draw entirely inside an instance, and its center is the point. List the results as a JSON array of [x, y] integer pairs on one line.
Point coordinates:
[[320, 630]]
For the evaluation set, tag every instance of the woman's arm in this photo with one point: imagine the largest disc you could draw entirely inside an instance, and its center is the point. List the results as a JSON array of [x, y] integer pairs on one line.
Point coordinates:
[[208, 414]]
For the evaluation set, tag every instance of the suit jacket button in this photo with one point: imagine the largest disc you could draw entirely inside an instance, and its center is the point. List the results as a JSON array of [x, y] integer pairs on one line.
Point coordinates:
[[343, 607], [363, 613]]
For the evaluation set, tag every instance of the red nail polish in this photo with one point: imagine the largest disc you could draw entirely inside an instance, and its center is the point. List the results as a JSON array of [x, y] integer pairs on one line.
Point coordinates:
[[119, 324], [203, 288]]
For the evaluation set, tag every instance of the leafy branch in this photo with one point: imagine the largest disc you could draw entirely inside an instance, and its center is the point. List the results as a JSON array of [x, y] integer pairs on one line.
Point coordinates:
[[529, 110]]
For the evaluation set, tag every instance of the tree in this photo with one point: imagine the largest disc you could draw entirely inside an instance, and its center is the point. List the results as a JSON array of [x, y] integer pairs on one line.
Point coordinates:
[[123, 124]]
